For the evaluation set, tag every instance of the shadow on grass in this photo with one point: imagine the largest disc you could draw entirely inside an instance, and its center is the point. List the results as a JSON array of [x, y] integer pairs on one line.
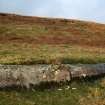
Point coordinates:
[[91, 79], [54, 85], [33, 61], [41, 87], [81, 60]]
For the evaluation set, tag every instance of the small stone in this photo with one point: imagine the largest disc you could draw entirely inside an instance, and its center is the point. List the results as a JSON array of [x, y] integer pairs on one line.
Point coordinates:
[[84, 75], [60, 89], [44, 76], [56, 72], [67, 88], [74, 88]]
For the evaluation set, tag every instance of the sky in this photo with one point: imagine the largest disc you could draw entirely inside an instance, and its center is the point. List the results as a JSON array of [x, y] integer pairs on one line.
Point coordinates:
[[90, 10]]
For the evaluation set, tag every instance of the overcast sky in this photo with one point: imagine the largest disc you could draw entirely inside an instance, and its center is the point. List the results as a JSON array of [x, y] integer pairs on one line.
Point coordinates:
[[93, 10]]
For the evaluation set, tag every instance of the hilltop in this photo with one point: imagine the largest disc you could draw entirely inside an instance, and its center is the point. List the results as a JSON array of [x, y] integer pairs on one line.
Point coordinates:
[[31, 40]]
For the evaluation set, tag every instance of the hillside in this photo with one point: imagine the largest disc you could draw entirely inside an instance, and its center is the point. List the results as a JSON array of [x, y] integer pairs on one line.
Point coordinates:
[[31, 40], [35, 40]]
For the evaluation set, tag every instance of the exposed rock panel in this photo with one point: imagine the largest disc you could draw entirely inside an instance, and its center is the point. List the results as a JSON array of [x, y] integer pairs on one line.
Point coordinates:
[[24, 75]]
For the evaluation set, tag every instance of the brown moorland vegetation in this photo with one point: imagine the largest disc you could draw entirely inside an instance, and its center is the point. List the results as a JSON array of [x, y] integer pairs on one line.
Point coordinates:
[[25, 39], [32, 40]]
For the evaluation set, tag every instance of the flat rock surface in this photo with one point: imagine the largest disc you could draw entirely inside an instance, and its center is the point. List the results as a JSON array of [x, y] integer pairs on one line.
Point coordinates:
[[25, 75]]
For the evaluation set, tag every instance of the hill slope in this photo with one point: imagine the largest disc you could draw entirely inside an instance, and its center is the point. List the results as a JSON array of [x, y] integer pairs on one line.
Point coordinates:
[[30, 40]]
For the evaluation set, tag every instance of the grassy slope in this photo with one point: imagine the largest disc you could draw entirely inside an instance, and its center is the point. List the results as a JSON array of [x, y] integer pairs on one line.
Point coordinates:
[[30, 40]]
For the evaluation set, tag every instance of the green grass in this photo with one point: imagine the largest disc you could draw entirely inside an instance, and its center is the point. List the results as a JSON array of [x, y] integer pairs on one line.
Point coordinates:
[[29, 54], [86, 93]]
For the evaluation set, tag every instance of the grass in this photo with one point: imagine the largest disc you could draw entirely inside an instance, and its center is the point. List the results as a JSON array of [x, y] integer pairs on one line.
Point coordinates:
[[81, 92], [29, 54], [33, 40]]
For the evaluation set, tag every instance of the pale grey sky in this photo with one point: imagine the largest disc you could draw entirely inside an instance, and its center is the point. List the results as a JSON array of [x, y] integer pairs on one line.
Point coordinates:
[[93, 10]]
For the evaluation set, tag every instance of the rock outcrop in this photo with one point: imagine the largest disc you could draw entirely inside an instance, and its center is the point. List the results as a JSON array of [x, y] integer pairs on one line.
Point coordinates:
[[26, 75]]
